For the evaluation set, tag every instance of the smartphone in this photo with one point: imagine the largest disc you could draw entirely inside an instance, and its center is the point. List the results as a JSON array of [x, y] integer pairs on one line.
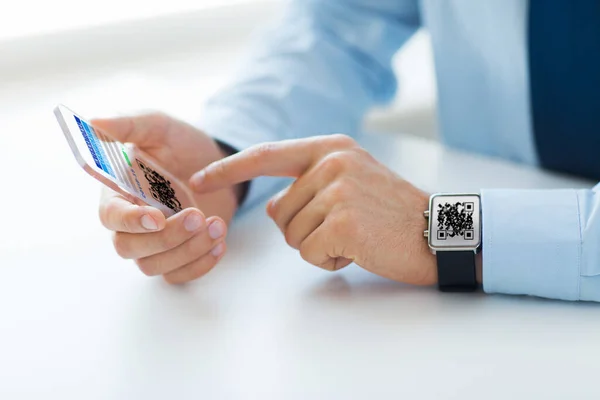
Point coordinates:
[[123, 167]]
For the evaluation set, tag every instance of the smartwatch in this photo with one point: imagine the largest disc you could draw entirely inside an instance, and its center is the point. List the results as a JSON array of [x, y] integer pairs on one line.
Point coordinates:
[[454, 236]]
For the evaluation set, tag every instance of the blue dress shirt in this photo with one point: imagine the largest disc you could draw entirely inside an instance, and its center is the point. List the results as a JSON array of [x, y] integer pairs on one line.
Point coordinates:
[[326, 62]]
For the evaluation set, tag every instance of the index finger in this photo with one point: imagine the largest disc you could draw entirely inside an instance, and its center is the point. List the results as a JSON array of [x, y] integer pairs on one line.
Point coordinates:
[[120, 215], [144, 130], [289, 158]]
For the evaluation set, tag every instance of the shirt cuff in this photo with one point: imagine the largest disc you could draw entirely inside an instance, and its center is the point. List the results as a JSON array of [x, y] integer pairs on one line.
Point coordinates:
[[531, 243]]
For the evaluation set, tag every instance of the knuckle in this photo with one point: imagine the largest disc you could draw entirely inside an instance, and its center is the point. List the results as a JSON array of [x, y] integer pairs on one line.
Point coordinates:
[[125, 222], [103, 214], [107, 211], [121, 245], [260, 153], [147, 267], [276, 210], [362, 154], [347, 233], [169, 279], [277, 217], [342, 223], [292, 239], [306, 253], [173, 279], [158, 118], [338, 192], [191, 271], [201, 269], [219, 168], [341, 140], [159, 122], [169, 240], [176, 235], [341, 249], [197, 246], [263, 149], [327, 266], [340, 161], [333, 163]]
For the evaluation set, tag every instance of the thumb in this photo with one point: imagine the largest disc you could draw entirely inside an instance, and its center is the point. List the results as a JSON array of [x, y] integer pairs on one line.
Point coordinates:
[[143, 130]]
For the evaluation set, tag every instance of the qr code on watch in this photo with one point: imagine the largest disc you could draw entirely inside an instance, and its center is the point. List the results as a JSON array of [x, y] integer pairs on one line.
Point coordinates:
[[455, 219], [160, 188]]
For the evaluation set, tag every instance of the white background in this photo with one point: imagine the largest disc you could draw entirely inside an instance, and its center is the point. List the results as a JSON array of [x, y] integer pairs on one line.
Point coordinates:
[[26, 17], [189, 43]]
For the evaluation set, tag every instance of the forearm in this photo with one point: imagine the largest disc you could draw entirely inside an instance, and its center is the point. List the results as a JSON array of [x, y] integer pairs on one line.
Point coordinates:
[[316, 72]]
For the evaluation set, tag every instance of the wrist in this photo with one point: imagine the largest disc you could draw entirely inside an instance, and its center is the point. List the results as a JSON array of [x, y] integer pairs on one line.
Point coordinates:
[[454, 236], [428, 259]]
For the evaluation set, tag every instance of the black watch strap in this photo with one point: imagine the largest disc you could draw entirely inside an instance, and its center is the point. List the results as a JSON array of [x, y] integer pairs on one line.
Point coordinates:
[[456, 271]]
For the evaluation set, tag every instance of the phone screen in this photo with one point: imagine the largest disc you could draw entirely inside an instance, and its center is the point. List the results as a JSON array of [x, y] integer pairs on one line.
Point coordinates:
[[122, 166]]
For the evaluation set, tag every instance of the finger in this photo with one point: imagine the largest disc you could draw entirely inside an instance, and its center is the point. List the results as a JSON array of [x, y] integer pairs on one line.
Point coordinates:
[[120, 215], [288, 203], [198, 268], [145, 130], [192, 249], [178, 229], [306, 222], [285, 158], [341, 262], [317, 250]]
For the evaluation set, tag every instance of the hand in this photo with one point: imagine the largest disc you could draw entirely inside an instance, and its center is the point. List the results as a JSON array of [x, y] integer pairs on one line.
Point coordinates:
[[186, 245], [344, 206]]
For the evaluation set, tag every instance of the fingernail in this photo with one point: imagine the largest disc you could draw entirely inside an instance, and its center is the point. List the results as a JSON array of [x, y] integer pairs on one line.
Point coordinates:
[[216, 229], [218, 250], [192, 222], [198, 178], [149, 223]]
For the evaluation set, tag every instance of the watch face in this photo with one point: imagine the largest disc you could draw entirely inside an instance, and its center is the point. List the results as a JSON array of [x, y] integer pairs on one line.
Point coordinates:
[[455, 222]]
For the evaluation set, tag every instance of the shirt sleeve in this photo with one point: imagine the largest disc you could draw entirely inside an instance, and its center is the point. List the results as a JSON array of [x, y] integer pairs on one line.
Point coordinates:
[[542, 243], [317, 71]]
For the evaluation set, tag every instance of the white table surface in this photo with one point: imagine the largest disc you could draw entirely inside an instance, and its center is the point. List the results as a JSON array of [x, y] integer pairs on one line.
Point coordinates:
[[77, 322]]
